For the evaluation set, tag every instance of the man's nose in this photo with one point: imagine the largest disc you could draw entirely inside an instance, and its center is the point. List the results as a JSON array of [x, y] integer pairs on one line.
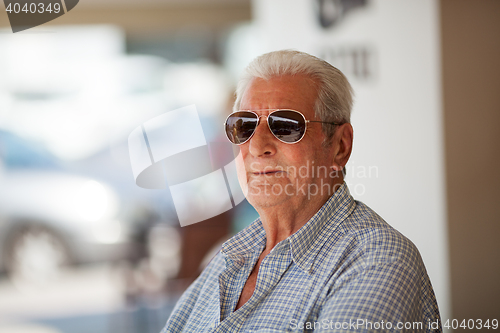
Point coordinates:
[[263, 143]]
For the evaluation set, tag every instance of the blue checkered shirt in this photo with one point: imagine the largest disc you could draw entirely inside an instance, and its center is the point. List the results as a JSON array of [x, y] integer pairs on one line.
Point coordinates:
[[345, 270]]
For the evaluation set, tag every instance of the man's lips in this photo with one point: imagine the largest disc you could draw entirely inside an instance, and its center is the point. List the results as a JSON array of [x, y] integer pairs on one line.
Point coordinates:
[[266, 172]]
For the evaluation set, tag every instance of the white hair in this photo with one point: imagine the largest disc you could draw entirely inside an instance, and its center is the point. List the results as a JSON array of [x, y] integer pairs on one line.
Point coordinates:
[[335, 94]]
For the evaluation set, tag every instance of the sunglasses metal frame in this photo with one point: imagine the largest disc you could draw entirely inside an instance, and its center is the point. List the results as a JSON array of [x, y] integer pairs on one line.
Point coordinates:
[[269, 126]]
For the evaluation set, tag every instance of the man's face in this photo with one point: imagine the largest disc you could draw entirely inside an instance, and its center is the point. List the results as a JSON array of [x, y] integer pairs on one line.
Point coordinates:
[[272, 172]]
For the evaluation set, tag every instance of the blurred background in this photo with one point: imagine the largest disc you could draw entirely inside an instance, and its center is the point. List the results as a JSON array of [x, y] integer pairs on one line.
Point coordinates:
[[84, 249]]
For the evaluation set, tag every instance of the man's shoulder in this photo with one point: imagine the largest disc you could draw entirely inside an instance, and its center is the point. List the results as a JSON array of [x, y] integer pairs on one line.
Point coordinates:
[[368, 238], [363, 217]]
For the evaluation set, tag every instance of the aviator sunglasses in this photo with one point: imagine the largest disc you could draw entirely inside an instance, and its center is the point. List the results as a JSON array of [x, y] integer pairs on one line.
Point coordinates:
[[288, 126]]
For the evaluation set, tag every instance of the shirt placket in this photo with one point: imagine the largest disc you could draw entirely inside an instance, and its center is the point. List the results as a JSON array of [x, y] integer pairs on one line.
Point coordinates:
[[271, 270]]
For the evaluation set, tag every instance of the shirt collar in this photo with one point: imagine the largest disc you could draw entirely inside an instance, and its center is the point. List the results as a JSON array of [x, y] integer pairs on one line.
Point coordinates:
[[307, 241], [249, 240]]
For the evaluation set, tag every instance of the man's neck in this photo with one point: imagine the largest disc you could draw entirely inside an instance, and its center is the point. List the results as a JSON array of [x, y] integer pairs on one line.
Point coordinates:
[[283, 220]]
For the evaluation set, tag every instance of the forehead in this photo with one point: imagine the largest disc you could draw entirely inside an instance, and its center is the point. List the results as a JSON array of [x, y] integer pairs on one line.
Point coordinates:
[[296, 92]]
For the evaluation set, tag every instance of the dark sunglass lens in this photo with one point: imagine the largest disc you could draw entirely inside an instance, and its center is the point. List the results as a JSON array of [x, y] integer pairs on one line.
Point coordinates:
[[288, 126], [240, 126]]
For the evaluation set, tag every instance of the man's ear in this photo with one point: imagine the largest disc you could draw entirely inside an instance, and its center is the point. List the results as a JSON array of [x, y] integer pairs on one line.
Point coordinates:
[[342, 146]]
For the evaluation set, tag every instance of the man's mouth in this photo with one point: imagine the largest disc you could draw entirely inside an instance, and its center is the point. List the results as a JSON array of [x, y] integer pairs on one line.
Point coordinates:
[[266, 172]]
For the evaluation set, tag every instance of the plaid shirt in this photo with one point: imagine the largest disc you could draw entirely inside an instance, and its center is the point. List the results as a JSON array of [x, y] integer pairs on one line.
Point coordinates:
[[345, 270]]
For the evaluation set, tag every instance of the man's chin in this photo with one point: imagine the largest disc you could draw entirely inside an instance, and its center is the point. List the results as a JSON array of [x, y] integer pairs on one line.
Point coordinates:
[[263, 196]]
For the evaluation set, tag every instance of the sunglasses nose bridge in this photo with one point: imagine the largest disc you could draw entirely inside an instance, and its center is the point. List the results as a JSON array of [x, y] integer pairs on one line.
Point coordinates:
[[258, 118], [266, 123], [258, 121]]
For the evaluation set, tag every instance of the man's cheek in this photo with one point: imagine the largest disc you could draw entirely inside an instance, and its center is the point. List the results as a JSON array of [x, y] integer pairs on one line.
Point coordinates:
[[242, 175]]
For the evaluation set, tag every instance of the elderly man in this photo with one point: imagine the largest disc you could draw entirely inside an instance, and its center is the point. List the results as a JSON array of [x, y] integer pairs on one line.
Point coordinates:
[[316, 259]]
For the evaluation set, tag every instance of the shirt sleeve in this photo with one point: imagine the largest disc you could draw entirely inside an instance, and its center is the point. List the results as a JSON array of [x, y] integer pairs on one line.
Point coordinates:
[[190, 299], [386, 296]]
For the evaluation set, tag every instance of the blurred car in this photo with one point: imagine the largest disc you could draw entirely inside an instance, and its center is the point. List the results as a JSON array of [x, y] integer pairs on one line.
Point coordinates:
[[51, 217]]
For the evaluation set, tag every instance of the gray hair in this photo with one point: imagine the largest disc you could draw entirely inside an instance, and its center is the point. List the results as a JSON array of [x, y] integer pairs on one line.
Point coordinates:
[[335, 94]]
